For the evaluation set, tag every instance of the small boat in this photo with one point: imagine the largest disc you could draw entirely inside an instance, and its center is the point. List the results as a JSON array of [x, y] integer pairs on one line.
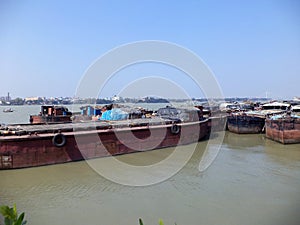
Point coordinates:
[[8, 110], [253, 122]]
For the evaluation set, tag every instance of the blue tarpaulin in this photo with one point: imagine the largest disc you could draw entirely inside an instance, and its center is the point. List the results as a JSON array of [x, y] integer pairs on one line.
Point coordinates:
[[114, 114]]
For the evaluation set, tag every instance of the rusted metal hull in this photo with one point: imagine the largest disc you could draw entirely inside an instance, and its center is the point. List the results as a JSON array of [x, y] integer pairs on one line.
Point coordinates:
[[39, 149], [36, 119], [244, 124], [286, 130], [218, 123]]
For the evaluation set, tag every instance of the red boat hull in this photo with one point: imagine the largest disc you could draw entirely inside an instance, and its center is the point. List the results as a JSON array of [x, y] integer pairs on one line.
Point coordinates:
[[286, 131], [40, 149]]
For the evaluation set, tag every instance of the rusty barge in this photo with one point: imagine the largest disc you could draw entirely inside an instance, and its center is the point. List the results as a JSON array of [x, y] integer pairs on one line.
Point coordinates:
[[31, 145], [253, 122], [284, 128]]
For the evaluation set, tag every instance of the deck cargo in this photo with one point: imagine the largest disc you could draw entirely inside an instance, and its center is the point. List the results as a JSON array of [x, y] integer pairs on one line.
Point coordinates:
[[31, 145]]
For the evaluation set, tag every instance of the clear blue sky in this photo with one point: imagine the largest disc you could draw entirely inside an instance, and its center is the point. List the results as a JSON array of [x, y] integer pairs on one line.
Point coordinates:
[[251, 46]]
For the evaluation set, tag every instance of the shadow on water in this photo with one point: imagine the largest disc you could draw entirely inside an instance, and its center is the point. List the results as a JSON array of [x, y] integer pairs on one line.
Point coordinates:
[[283, 154], [270, 149], [243, 141]]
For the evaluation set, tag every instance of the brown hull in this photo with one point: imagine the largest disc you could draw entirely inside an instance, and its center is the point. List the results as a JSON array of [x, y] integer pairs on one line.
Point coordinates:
[[243, 124], [39, 149], [286, 131], [218, 123], [49, 119]]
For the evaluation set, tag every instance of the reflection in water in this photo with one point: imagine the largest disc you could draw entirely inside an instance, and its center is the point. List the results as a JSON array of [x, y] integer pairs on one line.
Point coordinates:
[[252, 181], [243, 141]]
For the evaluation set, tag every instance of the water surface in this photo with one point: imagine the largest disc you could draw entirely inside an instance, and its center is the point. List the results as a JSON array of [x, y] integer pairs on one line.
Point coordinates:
[[252, 181]]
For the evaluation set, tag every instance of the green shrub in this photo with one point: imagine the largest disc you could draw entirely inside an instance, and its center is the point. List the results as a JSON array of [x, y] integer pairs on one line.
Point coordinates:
[[11, 216], [160, 222]]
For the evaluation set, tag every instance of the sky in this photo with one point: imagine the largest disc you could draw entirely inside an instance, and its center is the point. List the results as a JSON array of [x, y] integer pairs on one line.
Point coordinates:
[[251, 47]]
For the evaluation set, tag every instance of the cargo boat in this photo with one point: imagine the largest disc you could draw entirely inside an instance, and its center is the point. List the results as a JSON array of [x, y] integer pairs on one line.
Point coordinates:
[[31, 145], [246, 123], [253, 122], [284, 128]]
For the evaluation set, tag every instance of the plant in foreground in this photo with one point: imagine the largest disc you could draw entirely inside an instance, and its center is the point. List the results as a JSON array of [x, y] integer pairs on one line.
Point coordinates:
[[11, 216], [160, 222]]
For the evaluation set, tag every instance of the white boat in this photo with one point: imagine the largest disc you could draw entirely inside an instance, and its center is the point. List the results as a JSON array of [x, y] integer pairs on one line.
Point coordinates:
[[8, 110]]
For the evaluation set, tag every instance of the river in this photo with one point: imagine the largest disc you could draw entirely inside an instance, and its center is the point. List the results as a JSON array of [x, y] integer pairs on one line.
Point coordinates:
[[253, 180]]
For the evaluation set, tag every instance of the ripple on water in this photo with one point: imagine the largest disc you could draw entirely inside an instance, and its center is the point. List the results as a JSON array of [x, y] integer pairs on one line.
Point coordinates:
[[245, 179]]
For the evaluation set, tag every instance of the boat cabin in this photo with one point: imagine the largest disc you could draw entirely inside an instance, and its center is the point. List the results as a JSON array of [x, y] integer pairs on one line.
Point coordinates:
[[276, 105], [51, 110], [296, 109], [229, 107], [51, 114]]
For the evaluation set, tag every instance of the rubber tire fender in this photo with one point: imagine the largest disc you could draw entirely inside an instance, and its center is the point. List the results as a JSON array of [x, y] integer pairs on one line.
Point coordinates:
[[175, 129], [59, 140]]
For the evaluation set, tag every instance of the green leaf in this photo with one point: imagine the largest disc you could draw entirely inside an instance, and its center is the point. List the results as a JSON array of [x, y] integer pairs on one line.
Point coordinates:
[[8, 221], [4, 210], [140, 221], [15, 213], [160, 222], [20, 219], [11, 215], [8, 212]]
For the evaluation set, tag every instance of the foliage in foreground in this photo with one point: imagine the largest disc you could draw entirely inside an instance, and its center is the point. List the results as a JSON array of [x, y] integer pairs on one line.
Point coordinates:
[[160, 222], [11, 216]]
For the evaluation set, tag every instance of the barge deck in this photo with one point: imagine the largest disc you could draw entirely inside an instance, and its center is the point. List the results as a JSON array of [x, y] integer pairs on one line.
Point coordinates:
[[29, 145]]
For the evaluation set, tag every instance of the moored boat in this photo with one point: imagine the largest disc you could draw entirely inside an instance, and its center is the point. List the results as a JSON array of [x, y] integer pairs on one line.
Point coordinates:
[[284, 128], [43, 144], [252, 122], [244, 123]]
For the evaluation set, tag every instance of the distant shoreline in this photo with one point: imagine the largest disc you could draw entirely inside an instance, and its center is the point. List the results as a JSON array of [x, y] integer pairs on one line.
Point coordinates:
[[68, 100]]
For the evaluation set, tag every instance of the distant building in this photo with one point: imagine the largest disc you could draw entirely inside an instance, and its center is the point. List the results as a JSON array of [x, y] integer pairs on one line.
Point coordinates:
[[8, 97], [34, 100], [28, 99]]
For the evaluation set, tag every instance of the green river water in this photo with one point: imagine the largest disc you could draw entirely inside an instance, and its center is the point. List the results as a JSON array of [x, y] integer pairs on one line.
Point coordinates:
[[253, 180]]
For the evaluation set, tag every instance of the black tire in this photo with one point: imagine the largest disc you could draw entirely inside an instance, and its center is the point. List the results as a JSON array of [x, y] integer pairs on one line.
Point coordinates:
[[59, 140], [175, 129]]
